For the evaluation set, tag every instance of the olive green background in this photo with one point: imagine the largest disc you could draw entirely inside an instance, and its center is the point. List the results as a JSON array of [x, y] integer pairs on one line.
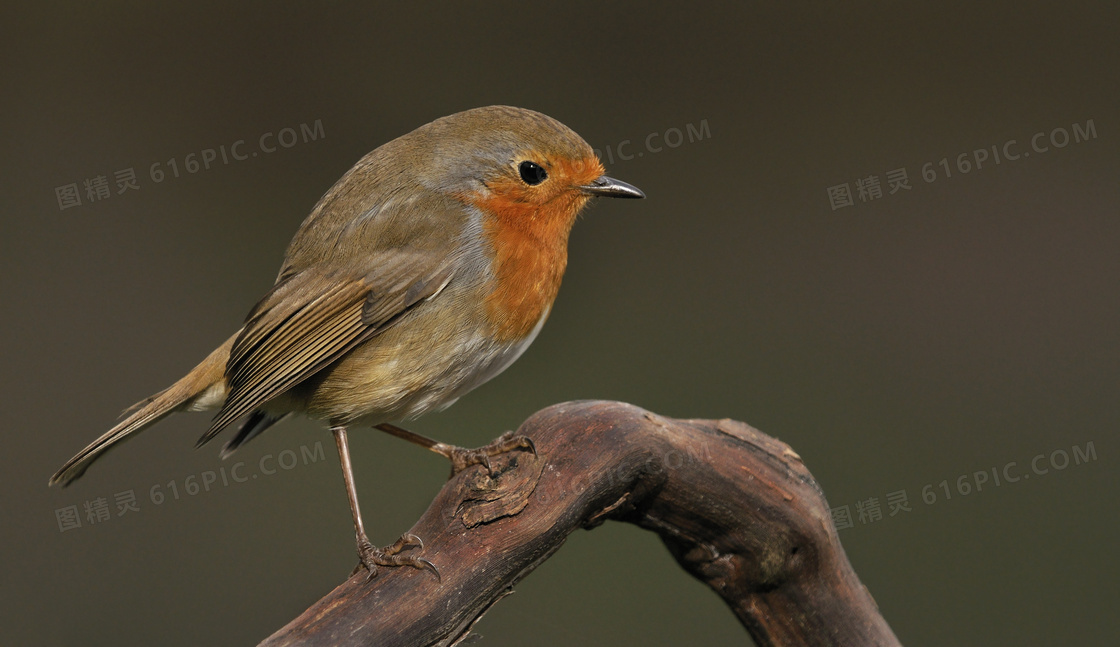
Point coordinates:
[[955, 327]]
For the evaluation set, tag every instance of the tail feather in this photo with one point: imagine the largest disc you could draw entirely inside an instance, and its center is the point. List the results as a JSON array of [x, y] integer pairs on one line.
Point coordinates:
[[202, 388], [250, 429]]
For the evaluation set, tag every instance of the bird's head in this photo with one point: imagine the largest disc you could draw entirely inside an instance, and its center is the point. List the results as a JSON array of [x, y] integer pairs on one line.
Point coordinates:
[[528, 170]]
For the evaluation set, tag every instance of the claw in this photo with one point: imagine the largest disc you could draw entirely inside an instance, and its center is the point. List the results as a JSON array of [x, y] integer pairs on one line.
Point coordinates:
[[462, 458], [407, 540], [428, 566], [371, 557]]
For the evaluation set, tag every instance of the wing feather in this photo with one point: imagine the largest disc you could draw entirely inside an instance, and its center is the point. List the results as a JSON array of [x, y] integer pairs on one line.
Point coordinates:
[[311, 319]]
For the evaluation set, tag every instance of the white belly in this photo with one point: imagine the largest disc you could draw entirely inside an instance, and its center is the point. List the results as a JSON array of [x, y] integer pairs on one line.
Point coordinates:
[[498, 362], [398, 382]]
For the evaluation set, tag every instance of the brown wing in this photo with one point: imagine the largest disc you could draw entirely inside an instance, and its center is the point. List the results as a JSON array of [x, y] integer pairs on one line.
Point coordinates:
[[310, 319]]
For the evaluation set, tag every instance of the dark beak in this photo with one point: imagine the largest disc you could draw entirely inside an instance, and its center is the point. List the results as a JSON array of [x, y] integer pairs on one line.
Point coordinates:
[[609, 187]]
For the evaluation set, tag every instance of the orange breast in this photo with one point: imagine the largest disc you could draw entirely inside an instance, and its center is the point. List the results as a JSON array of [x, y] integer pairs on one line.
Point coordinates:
[[527, 229], [528, 264], [530, 252]]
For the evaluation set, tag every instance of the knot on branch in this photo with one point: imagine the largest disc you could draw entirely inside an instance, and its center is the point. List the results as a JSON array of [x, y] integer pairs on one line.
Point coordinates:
[[501, 491]]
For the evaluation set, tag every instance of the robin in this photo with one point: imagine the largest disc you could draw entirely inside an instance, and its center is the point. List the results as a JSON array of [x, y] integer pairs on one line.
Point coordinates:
[[426, 270]]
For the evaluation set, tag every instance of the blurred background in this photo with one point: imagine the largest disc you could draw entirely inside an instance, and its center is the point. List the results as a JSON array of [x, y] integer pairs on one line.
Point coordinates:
[[884, 233]]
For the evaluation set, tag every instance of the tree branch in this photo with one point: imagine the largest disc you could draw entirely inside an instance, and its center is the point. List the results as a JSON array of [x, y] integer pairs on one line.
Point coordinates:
[[736, 508]]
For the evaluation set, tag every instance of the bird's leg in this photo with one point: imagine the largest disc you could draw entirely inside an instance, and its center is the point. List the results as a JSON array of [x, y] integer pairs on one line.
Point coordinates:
[[371, 556], [461, 458]]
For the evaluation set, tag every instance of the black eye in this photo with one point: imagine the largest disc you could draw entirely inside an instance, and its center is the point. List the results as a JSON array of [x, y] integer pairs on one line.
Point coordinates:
[[532, 173]]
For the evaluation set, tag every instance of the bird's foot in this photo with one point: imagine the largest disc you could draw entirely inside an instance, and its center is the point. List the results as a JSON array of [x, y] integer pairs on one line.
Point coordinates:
[[371, 556], [461, 458]]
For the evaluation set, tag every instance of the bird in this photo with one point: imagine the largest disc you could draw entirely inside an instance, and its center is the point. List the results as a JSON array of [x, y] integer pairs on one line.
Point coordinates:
[[423, 272]]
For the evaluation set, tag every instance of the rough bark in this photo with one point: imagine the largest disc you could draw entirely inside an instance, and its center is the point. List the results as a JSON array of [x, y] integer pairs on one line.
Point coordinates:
[[736, 508]]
